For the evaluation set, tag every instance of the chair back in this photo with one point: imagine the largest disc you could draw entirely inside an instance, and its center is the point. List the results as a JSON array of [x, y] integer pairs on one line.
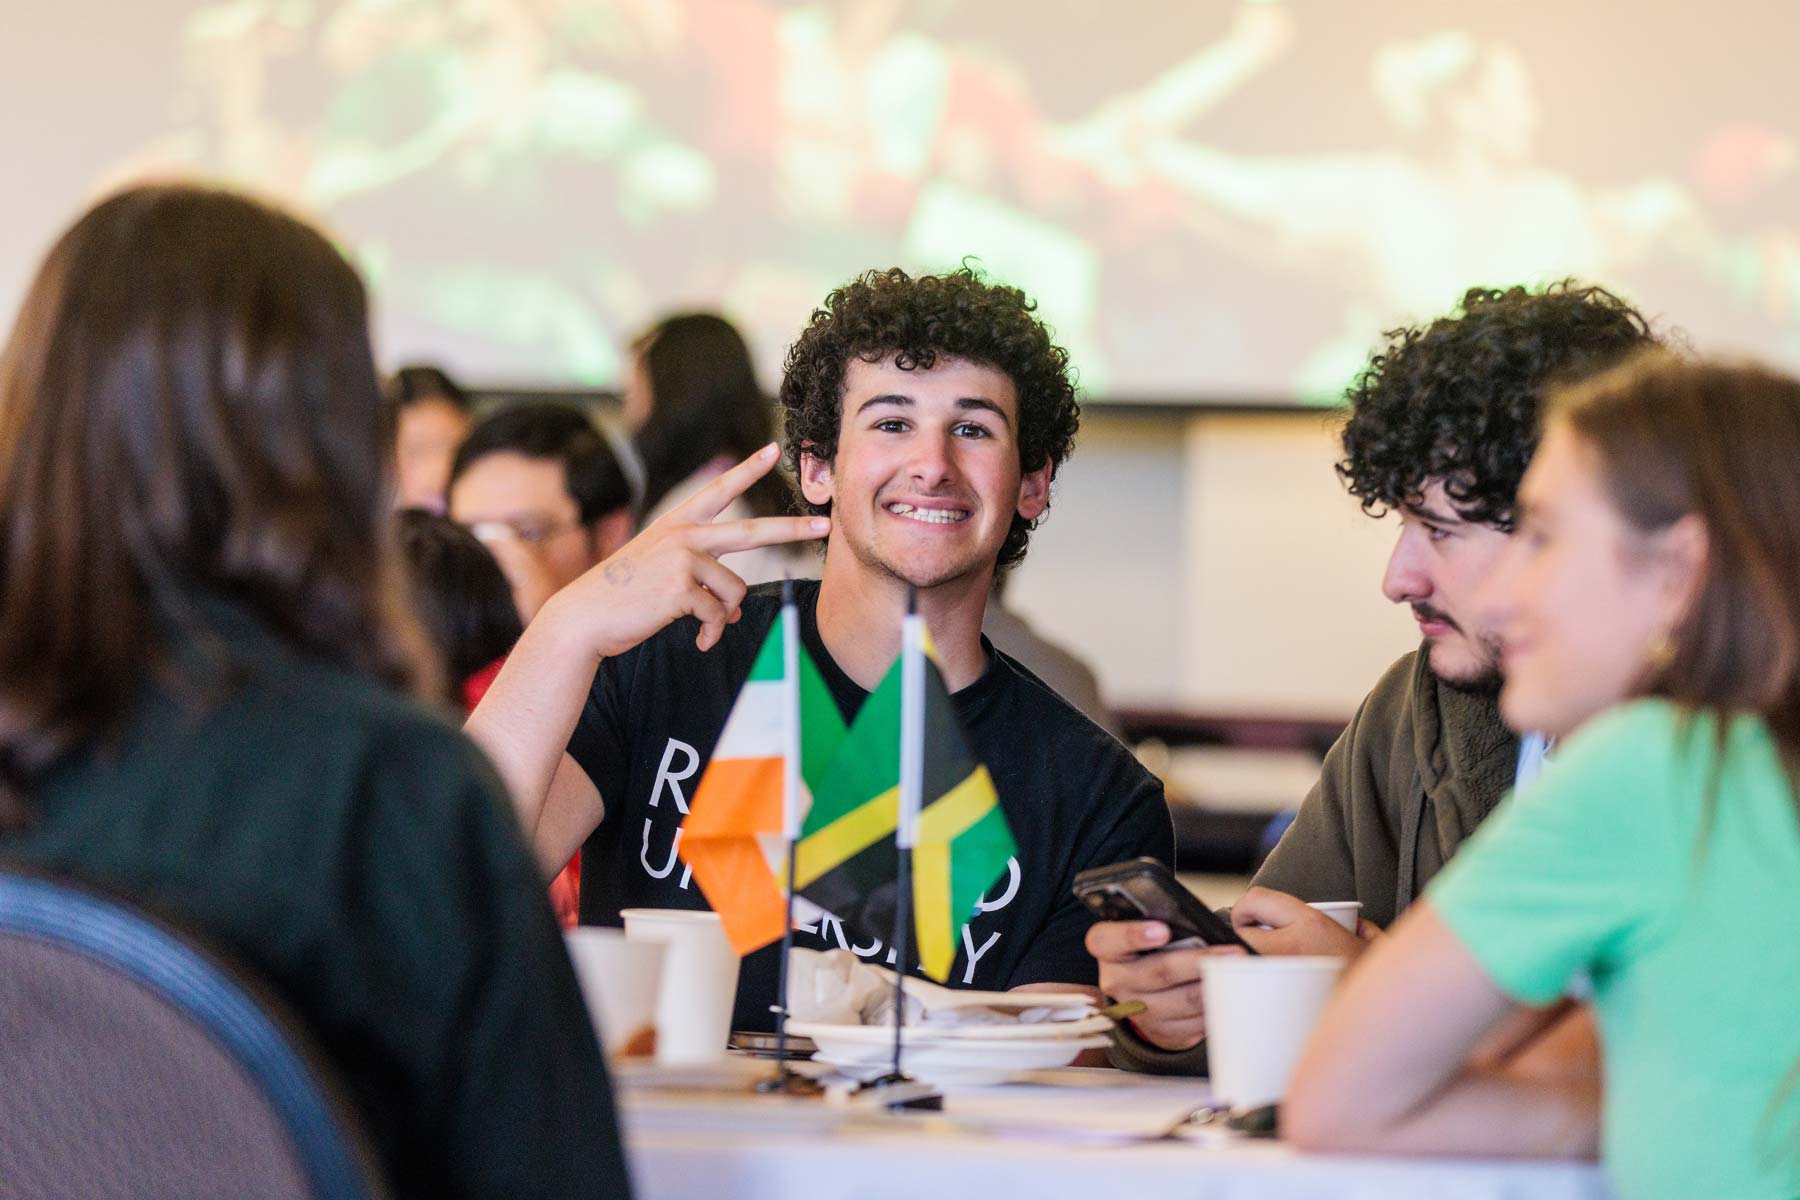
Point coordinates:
[[134, 1064]]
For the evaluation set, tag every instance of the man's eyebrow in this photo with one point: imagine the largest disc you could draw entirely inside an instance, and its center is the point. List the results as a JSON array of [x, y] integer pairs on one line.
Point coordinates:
[[963, 404], [977, 404], [893, 398], [1430, 514]]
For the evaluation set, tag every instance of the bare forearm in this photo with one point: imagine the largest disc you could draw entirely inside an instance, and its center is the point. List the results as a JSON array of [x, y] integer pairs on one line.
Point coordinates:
[[525, 720], [1478, 1114], [1387, 1069]]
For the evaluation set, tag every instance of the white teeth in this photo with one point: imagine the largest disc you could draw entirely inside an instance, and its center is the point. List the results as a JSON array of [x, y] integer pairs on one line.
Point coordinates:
[[930, 516]]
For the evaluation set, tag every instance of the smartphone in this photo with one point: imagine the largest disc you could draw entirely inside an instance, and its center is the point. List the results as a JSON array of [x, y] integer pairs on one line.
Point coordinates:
[[764, 1045], [1142, 889]]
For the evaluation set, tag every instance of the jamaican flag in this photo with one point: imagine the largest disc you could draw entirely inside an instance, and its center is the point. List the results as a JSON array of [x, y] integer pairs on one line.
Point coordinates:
[[846, 860]]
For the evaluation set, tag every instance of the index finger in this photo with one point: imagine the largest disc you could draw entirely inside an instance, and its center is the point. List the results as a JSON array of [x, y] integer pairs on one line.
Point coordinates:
[[1265, 906], [1119, 941], [717, 496], [752, 532]]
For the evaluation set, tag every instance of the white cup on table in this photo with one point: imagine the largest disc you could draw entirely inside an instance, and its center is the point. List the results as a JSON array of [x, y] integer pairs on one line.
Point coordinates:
[[620, 981], [1260, 1009], [699, 982], [1344, 912]]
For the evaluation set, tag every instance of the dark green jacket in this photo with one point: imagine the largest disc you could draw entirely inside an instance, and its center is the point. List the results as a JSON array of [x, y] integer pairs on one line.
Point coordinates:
[[358, 855], [1417, 769]]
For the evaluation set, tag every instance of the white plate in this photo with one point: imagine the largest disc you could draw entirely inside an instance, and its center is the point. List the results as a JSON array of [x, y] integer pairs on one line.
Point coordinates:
[[883, 1035], [941, 1062], [936, 997]]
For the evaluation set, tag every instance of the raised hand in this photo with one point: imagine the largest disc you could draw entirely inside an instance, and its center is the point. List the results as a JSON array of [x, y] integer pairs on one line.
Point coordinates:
[[672, 570]]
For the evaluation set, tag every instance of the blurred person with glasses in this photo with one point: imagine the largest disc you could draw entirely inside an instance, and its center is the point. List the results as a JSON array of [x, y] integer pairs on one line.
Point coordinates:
[[538, 485]]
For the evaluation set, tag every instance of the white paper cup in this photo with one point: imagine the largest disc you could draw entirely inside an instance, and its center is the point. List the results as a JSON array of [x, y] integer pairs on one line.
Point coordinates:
[[699, 982], [619, 981], [1344, 912], [1260, 1009]]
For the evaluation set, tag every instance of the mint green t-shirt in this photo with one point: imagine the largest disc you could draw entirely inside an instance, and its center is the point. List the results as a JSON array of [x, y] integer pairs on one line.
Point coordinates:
[[1689, 929]]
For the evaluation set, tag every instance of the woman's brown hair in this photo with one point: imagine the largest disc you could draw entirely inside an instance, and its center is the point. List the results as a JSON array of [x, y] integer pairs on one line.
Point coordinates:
[[1721, 442], [189, 409]]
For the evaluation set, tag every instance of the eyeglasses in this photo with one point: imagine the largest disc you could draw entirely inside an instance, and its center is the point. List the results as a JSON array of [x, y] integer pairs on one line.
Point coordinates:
[[532, 533]]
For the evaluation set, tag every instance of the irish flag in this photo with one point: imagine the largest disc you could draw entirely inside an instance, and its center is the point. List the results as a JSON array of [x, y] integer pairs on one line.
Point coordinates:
[[783, 729]]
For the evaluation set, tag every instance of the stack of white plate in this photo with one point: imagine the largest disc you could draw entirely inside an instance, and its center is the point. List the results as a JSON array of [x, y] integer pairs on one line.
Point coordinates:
[[964, 1053]]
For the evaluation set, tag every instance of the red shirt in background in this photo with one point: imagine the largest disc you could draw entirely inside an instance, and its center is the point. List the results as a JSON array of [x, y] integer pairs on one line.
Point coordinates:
[[565, 889]]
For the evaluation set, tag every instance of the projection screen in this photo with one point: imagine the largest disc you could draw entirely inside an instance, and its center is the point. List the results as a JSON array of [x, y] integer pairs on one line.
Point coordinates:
[[1212, 201]]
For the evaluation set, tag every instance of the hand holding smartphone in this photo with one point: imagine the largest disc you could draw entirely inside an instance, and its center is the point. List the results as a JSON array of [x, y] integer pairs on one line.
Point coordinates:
[[1141, 889]]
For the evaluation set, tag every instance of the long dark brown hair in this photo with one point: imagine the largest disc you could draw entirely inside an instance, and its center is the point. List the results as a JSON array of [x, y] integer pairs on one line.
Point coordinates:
[[1721, 442], [704, 403], [188, 409]]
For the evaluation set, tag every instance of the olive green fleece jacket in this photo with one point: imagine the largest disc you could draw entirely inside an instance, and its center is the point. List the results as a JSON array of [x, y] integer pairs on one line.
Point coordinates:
[[1417, 769]]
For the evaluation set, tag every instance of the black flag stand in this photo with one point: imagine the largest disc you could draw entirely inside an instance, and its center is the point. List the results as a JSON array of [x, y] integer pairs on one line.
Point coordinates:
[[902, 915], [786, 1079], [897, 1089]]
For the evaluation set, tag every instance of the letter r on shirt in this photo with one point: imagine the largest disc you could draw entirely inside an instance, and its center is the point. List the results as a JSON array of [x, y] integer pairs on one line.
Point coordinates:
[[673, 778]]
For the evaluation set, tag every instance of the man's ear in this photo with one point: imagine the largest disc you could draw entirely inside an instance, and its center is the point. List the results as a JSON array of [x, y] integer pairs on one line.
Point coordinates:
[[815, 478], [1034, 492]]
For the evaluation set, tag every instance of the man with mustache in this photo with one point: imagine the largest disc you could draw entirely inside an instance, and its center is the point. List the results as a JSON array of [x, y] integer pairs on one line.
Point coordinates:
[[1442, 424]]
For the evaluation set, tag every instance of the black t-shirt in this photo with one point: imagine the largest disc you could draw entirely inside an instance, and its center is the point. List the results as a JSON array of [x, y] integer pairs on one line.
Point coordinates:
[[358, 855], [1074, 796]]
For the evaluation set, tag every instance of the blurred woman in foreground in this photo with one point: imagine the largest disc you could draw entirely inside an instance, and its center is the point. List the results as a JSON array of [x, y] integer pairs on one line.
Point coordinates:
[[205, 665], [1658, 555]]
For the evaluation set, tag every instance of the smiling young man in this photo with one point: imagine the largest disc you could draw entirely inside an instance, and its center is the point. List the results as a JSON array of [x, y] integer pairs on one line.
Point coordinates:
[[1442, 425], [926, 419]]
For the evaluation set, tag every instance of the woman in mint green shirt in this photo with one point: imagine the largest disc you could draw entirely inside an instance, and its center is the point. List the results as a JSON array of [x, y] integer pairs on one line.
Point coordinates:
[[1658, 857]]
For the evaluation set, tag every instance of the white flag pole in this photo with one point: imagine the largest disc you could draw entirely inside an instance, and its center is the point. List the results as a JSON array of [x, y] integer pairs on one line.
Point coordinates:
[[791, 783], [912, 791]]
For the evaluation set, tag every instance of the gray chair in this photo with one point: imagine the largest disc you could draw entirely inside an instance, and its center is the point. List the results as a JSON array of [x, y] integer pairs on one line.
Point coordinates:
[[135, 1065]]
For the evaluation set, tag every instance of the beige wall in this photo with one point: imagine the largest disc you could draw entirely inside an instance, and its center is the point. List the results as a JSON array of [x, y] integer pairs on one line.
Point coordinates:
[[1215, 562]]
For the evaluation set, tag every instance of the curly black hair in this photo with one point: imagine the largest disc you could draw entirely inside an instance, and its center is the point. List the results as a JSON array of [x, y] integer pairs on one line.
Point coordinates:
[[1457, 399], [958, 314]]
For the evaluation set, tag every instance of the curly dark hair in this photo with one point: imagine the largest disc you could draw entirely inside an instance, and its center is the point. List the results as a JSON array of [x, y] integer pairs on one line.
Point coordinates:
[[1457, 399], [958, 314]]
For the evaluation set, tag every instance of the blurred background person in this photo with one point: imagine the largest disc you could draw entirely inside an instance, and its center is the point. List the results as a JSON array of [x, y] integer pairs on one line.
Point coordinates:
[[694, 407], [431, 416], [205, 665], [467, 608], [1658, 855], [463, 600], [1068, 675], [539, 486]]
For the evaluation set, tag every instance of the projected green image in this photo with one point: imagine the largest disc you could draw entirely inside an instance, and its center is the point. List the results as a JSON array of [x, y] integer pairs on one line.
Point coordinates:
[[1211, 202]]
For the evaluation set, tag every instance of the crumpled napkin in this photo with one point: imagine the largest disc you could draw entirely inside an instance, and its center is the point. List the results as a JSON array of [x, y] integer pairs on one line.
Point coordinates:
[[836, 987]]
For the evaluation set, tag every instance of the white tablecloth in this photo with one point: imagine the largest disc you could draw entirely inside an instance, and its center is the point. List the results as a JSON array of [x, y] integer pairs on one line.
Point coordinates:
[[1073, 1133]]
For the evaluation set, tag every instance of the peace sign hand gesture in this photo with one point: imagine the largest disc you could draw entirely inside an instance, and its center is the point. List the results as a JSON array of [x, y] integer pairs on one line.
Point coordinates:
[[672, 569]]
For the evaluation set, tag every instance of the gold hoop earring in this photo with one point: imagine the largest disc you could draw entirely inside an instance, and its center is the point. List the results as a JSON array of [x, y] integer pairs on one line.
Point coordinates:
[[1661, 652]]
